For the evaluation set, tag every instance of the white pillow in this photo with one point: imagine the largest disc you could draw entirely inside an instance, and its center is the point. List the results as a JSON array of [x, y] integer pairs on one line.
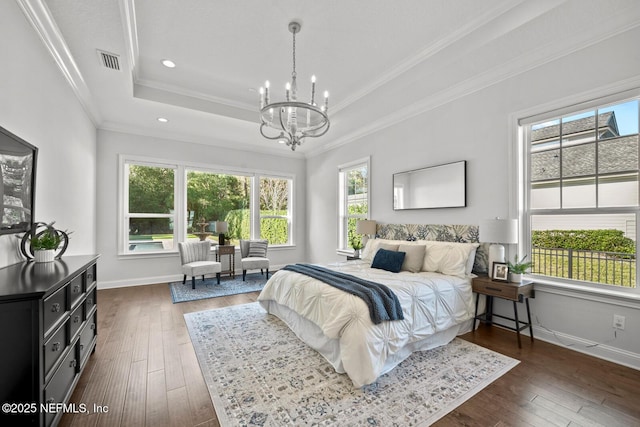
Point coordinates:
[[451, 258]]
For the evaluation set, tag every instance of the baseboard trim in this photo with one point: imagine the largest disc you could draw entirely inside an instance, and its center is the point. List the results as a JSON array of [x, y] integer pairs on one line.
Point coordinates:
[[143, 281], [601, 351]]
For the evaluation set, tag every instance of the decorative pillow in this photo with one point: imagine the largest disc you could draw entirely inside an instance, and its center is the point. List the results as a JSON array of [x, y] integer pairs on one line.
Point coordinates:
[[451, 258], [258, 248], [373, 245], [414, 257], [388, 260]]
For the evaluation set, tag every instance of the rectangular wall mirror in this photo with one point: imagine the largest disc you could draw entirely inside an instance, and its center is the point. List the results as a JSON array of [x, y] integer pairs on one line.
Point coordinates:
[[441, 186]]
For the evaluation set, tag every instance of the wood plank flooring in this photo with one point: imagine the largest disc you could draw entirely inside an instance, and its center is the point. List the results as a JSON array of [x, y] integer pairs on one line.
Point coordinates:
[[146, 373]]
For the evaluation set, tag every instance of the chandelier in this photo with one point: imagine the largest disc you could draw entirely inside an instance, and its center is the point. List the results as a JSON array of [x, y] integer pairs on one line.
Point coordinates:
[[293, 120]]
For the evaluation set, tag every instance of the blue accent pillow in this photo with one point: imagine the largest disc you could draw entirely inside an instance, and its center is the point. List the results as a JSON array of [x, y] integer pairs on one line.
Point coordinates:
[[388, 260]]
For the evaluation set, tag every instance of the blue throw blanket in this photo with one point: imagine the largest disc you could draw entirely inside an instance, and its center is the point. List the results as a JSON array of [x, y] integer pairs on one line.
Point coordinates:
[[382, 302]]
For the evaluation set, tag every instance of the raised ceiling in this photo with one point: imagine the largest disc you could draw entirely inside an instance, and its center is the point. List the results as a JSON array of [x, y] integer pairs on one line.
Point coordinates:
[[382, 61]]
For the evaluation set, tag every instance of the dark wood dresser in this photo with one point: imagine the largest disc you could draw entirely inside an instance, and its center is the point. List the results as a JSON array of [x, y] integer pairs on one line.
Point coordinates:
[[48, 330]]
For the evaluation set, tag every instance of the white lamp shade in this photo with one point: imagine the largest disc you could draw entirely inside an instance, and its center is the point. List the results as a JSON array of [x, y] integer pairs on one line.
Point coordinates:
[[221, 227], [365, 226], [499, 231]]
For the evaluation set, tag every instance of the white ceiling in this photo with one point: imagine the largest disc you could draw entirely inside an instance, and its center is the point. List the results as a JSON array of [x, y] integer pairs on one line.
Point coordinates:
[[382, 61]]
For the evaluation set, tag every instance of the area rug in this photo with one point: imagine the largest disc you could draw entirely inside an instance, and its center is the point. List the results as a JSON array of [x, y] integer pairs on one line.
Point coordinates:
[[260, 374], [210, 289]]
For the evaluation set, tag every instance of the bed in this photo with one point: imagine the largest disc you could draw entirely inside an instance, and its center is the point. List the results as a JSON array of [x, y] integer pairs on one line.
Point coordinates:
[[437, 306]]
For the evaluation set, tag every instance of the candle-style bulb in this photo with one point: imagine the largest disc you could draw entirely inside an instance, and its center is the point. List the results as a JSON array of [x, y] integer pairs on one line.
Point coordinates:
[[313, 89]]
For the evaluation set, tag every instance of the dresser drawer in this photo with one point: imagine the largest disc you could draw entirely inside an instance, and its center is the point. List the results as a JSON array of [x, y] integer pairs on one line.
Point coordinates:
[[86, 338], [90, 302], [54, 348], [92, 275], [55, 307], [75, 321], [76, 290], [58, 388]]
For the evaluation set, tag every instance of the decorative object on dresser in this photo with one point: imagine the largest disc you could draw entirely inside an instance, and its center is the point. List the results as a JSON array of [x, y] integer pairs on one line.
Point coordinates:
[[48, 320], [516, 292], [44, 243], [194, 257], [367, 228], [222, 227], [254, 256], [17, 183], [498, 231]]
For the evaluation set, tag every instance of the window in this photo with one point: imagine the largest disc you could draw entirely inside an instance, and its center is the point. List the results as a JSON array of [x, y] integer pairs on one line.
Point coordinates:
[[353, 181], [582, 193], [215, 197], [166, 203], [275, 213], [149, 215]]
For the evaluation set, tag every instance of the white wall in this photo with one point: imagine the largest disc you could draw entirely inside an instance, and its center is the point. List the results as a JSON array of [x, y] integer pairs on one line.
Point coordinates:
[[37, 104], [134, 270], [476, 128]]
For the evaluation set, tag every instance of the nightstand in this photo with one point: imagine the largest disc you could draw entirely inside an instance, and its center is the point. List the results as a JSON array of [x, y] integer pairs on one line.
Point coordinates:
[[516, 292], [352, 258]]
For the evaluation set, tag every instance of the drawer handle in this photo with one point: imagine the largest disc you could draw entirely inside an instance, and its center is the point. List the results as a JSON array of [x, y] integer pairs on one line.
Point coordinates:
[[55, 346], [51, 400], [73, 363], [93, 326], [90, 276], [76, 289], [81, 347], [494, 289], [55, 307], [76, 319], [90, 301]]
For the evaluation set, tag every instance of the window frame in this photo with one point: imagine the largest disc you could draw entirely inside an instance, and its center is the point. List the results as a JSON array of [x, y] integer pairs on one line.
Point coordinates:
[[520, 191], [181, 169], [343, 215]]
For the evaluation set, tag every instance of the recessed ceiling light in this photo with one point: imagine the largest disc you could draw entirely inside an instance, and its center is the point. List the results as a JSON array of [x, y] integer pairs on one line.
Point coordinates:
[[162, 120], [168, 63]]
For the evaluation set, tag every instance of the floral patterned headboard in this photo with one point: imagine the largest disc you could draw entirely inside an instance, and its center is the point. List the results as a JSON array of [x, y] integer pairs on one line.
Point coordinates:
[[439, 232]]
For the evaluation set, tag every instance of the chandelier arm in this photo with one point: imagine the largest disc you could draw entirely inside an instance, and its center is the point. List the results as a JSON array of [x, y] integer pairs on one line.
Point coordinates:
[[273, 138]]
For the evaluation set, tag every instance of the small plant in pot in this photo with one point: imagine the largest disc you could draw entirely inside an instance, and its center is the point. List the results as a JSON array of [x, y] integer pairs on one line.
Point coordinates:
[[45, 243], [356, 244], [517, 268]]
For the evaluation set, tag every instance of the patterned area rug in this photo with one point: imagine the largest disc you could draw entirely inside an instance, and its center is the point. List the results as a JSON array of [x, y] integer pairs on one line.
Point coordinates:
[[260, 374], [210, 289]]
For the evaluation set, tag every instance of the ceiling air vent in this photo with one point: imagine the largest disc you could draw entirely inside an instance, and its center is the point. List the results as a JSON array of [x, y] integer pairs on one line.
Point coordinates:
[[109, 60]]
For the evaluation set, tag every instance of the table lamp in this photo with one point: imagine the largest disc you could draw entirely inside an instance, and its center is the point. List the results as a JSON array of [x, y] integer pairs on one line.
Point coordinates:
[[497, 232], [366, 227], [221, 228]]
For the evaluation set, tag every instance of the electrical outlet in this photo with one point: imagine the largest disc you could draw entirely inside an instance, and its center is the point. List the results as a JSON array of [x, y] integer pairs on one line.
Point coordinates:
[[618, 322]]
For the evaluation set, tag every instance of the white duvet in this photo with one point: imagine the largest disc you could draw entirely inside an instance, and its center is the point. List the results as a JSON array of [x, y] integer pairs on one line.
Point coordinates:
[[436, 308]]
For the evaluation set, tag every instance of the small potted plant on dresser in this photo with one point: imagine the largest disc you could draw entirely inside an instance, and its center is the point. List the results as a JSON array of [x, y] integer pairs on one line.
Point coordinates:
[[44, 243], [517, 268]]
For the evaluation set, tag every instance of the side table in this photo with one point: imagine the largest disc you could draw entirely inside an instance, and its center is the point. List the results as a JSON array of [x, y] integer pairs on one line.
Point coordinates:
[[230, 251], [516, 292]]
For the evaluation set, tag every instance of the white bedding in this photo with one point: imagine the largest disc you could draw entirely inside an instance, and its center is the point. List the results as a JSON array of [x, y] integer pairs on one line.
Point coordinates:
[[436, 308]]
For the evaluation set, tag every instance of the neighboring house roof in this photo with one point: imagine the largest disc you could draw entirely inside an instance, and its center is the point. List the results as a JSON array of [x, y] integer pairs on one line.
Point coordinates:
[[614, 155], [606, 122]]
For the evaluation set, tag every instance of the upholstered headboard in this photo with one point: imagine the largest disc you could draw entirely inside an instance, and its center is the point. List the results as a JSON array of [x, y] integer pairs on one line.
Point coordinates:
[[439, 232]]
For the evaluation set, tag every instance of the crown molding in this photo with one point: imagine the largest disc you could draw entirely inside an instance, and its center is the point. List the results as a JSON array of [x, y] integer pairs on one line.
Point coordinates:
[[39, 16]]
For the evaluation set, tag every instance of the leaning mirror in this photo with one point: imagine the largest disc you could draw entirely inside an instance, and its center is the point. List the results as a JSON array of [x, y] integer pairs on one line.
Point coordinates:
[[441, 186]]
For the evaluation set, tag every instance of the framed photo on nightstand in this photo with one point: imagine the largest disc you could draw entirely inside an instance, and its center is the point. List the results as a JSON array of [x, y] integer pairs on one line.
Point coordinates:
[[500, 271]]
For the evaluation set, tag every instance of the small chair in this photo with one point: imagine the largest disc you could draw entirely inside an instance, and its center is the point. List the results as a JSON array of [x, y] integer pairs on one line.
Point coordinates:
[[194, 257], [254, 256]]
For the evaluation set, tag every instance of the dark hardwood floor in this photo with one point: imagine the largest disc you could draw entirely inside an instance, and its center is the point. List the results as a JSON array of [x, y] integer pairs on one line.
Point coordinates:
[[146, 373]]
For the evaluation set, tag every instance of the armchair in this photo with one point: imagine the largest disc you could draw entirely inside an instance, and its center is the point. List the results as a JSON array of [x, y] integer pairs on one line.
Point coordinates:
[[254, 256], [194, 257]]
